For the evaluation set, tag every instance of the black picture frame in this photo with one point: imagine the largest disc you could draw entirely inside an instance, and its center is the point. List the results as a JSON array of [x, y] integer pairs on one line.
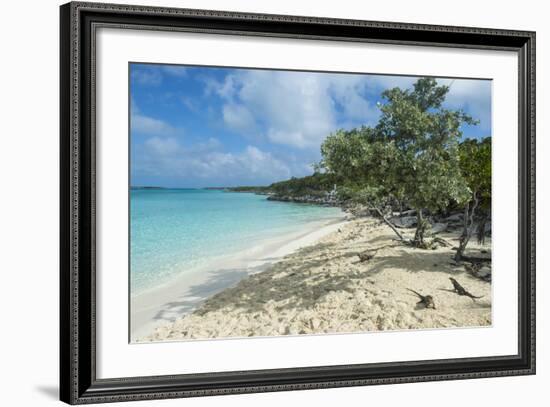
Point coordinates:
[[78, 382]]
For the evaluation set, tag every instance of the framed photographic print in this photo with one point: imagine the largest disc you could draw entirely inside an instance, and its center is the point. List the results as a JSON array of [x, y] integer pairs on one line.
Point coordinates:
[[256, 203]]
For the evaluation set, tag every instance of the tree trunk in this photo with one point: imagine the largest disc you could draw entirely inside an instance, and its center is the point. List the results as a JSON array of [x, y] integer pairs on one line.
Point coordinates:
[[420, 229], [481, 228], [468, 228], [391, 225]]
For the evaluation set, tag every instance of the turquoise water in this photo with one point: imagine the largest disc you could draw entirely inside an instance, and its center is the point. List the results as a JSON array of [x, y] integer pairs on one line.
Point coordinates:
[[174, 230]]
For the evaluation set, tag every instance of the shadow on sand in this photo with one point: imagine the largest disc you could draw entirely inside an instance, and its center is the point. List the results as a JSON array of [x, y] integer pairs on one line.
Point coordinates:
[[249, 289]]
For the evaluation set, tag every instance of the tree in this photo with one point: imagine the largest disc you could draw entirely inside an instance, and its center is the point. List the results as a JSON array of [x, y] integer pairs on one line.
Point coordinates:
[[411, 155], [424, 140], [361, 161], [475, 165]]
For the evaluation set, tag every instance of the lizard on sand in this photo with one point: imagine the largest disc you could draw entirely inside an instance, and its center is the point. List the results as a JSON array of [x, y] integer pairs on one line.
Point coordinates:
[[427, 300], [461, 290]]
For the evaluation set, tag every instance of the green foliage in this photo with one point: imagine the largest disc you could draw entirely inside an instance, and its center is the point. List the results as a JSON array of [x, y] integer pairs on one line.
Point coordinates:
[[350, 154], [365, 195], [362, 162], [315, 185], [475, 165], [254, 189], [426, 164], [411, 155]]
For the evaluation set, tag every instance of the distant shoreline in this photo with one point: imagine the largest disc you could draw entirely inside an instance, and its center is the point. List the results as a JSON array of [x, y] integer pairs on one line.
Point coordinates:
[[145, 187], [231, 189]]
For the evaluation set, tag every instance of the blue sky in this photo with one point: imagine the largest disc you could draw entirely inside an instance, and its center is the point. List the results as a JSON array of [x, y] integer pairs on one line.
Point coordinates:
[[202, 126]]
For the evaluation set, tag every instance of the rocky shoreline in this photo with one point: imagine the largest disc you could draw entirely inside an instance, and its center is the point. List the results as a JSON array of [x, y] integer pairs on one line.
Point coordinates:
[[307, 199], [405, 219]]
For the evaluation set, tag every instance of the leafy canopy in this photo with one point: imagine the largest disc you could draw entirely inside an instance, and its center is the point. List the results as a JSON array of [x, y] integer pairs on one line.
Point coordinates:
[[475, 164], [412, 154]]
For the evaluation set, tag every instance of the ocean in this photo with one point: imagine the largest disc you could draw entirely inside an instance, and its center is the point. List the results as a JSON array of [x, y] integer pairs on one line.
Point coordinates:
[[175, 231]]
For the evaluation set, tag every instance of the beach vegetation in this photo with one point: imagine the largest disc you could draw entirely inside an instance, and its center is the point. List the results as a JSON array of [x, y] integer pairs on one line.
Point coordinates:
[[475, 165], [314, 185], [411, 156]]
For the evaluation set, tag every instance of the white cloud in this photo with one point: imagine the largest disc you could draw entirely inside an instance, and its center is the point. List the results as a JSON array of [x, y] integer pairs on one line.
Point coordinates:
[[225, 89], [211, 144], [297, 109], [250, 164], [392, 81], [146, 125], [205, 161], [175, 70], [152, 75], [473, 95], [141, 124], [190, 103], [263, 164], [348, 92], [238, 118], [146, 76], [162, 147]]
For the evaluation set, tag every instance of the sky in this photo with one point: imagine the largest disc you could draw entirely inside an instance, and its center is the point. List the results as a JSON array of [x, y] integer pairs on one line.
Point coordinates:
[[194, 127]]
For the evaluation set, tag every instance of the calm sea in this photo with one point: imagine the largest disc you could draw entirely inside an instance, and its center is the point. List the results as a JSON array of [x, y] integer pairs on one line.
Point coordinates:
[[174, 230]]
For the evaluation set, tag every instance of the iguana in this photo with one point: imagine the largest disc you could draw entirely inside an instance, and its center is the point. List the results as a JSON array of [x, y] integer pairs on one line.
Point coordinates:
[[461, 290], [366, 255], [427, 300]]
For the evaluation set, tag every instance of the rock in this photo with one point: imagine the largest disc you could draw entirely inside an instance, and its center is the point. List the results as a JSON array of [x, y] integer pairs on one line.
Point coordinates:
[[411, 212], [438, 228], [360, 211], [405, 221], [454, 218], [484, 273], [325, 200]]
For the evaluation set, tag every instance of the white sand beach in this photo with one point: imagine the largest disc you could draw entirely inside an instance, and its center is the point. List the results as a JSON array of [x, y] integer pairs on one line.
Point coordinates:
[[186, 292], [316, 283]]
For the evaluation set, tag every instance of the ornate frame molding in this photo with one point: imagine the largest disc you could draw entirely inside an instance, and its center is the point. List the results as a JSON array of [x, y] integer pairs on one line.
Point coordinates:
[[79, 21]]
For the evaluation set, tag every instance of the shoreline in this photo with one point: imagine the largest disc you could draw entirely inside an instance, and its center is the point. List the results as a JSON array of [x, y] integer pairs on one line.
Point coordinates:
[[324, 287], [185, 292]]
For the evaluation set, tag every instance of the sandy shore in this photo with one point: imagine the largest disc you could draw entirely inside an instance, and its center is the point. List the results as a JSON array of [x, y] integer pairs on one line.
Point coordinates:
[[324, 288], [186, 292]]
